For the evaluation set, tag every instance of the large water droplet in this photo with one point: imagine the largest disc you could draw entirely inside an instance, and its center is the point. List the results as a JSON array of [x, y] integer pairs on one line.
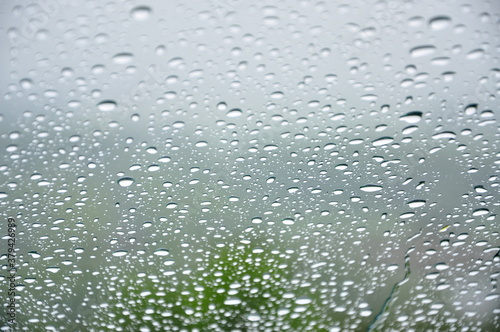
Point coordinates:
[[382, 141], [411, 117], [370, 188], [475, 54], [141, 13], [122, 58], [235, 112], [161, 252], [106, 105], [253, 317], [480, 212], [201, 144], [416, 203], [303, 300], [120, 253], [125, 182], [232, 301], [439, 22], [423, 50]]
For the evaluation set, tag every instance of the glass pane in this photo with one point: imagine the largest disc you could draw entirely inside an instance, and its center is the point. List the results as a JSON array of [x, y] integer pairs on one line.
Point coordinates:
[[250, 166]]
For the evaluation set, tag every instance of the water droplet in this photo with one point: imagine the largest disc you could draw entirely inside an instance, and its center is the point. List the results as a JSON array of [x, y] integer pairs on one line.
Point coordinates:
[[222, 106], [235, 112], [303, 300], [106, 105], [480, 212], [421, 51], [382, 141], [409, 130], [178, 124], [232, 301], [122, 58], [171, 205], [444, 134], [271, 21], [411, 117], [470, 109], [475, 54], [120, 253], [441, 266], [141, 13], [161, 252], [253, 317], [277, 95], [416, 203], [125, 182], [356, 141], [34, 254], [283, 311], [201, 144], [257, 220], [370, 188], [153, 168], [369, 97], [53, 269], [365, 313], [329, 146], [26, 83], [480, 189], [270, 147], [439, 22]]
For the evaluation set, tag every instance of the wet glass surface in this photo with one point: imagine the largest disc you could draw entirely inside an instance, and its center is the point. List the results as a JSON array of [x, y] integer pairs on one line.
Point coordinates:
[[251, 166]]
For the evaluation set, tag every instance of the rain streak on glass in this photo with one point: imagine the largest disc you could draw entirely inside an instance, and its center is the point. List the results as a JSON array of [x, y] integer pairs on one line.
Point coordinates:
[[251, 166]]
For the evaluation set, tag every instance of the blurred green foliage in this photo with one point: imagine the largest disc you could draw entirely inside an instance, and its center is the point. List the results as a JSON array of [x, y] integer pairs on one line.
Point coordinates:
[[238, 288]]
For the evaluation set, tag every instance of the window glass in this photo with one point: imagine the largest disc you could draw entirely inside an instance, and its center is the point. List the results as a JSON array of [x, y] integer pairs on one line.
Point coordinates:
[[235, 165]]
